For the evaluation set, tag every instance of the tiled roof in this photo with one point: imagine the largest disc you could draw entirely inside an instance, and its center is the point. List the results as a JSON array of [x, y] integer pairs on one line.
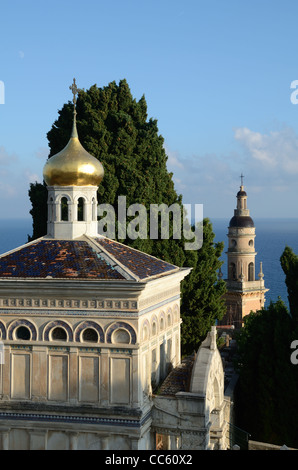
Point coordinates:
[[56, 259], [140, 264], [90, 258], [178, 379]]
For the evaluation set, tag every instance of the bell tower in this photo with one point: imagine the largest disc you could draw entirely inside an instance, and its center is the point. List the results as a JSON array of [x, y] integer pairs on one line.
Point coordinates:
[[245, 292]]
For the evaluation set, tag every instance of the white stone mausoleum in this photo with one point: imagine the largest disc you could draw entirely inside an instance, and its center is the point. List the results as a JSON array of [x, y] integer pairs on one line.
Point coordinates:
[[89, 327]]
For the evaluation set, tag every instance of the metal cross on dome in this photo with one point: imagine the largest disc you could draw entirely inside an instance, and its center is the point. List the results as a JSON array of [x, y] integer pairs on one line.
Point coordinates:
[[241, 176], [75, 91]]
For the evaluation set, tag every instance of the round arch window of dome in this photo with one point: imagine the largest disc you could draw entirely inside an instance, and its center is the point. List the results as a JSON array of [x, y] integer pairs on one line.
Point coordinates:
[[251, 243], [121, 336], [64, 214], [81, 209], [94, 210], [22, 333], [89, 335], [58, 334]]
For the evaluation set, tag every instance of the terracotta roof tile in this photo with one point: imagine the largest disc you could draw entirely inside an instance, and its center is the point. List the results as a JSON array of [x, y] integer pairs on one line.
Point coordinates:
[[57, 259], [178, 379], [139, 263]]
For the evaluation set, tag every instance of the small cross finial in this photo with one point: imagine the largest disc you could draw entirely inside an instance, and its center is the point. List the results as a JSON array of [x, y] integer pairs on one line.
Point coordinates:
[[241, 176], [75, 91]]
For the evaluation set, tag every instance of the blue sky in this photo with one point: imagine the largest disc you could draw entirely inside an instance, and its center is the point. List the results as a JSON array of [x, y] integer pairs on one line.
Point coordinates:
[[216, 75]]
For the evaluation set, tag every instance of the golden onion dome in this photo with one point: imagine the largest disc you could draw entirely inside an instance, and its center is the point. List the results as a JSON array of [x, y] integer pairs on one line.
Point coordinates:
[[73, 166]]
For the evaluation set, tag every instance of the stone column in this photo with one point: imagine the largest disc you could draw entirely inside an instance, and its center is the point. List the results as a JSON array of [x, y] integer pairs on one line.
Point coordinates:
[[73, 375], [73, 440], [5, 438], [37, 439], [6, 374], [39, 373], [137, 395], [104, 377], [104, 443]]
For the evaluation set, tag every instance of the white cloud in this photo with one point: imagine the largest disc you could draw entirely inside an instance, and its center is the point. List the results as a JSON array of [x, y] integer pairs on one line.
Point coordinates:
[[32, 177], [42, 153], [5, 157], [268, 160], [276, 150]]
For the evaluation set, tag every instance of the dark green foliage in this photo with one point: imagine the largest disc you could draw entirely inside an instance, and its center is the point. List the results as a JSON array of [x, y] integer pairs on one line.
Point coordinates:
[[289, 264], [266, 404], [203, 293], [115, 128], [38, 196]]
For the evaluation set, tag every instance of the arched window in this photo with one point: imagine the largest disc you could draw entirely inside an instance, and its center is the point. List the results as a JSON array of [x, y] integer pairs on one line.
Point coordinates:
[[121, 332], [121, 336], [145, 333], [64, 209], [90, 335], [58, 334], [23, 333], [251, 274], [232, 271], [81, 209], [94, 209]]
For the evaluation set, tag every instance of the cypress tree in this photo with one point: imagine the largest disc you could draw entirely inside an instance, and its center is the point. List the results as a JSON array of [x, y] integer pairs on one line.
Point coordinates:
[[267, 385], [289, 264]]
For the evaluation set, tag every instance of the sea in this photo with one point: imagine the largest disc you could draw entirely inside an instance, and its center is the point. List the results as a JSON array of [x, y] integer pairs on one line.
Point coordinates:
[[272, 236]]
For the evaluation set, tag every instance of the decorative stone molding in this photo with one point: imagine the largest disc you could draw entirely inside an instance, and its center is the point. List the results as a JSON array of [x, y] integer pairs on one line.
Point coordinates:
[[154, 299], [40, 303]]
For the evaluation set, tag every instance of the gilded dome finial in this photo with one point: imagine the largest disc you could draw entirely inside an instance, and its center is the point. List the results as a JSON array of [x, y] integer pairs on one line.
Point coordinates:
[[73, 165], [75, 90]]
